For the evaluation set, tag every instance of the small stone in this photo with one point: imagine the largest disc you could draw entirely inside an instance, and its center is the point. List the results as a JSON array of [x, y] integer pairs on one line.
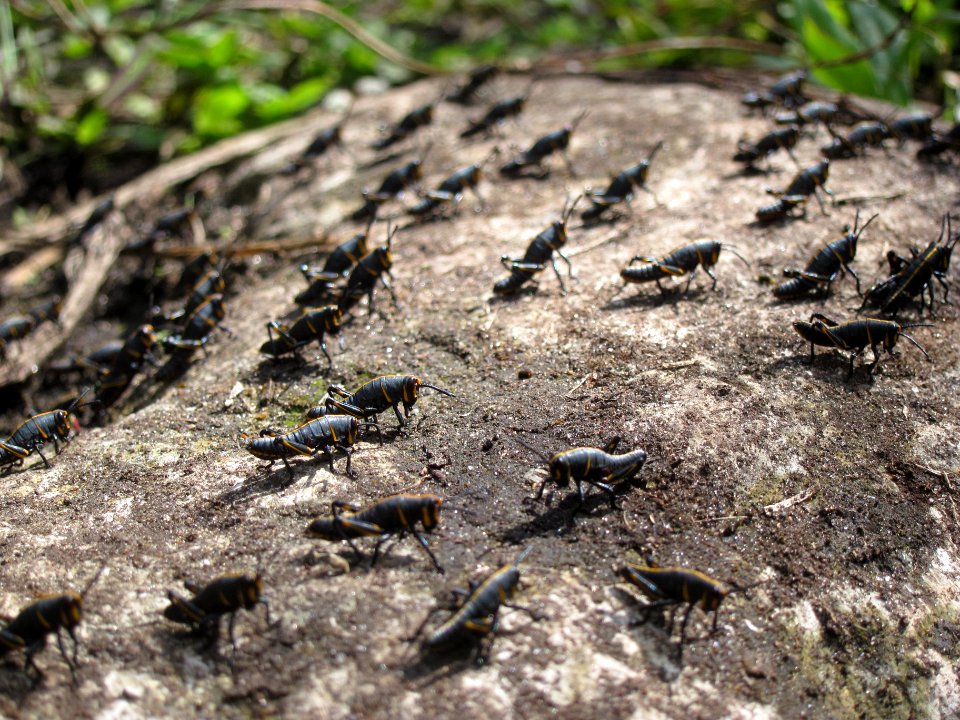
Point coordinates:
[[524, 374], [755, 668]]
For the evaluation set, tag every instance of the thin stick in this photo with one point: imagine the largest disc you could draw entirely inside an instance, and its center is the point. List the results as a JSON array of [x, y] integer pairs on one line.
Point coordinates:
[[723, 518], [334, 15], [941, 474], [582, 381], [791, 501], [680, 364]]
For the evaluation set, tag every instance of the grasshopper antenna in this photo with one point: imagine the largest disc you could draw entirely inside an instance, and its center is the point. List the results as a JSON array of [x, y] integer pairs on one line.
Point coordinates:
[[535, 451], [654, 151], [93, 581], [578, 119], [733, 251], [523, 554], [568, 209], [439, 390], [919, 346], [863, 227]]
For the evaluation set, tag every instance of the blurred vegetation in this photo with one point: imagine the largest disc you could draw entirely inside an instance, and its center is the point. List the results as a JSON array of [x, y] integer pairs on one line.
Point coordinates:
[[96, 91]]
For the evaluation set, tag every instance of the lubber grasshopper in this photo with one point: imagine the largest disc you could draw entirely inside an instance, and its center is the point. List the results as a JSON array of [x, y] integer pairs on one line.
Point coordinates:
[[373, 266], [92, 363], [375, 397], [29, 629], [451, 190], [541, 249], [813, 113], [681, 261], [341, 261], [911, 278], [310, 326], [225, 595], [476, 618], [117, 376], [823, 268], [807, 182], [916, 126], [51, 426], [194, 336], [321, 434], [497, 114], [19, 327], [322, 141], [394, 515], [392, 186], [542, 148], [593, 466], [786, 91], [210, 283], [786, 138], [620, 189], [856, 336], [406, 126], [674, 586], [939, 143], [477, 79], [194, 270], [864, 134], [785, 208]]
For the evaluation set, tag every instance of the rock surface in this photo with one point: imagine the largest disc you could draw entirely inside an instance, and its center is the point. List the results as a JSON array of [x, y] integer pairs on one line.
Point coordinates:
[[857, 613]]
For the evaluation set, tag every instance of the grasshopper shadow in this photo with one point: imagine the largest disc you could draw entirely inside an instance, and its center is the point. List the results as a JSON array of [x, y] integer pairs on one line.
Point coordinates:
[[434, 664], [559, 518], [650, 300], [669, 669], [16, 684], [830, 368], [528, 290], [275, 481], [359, 561], [291, 366]]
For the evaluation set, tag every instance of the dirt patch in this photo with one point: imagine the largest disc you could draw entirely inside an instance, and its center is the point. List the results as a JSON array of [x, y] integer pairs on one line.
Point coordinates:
[[856, 614]]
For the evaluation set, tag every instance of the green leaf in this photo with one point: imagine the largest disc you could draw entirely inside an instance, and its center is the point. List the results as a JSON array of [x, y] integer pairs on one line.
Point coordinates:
[[91, 127], [223, 50], [361, 58], [821, 45], [216, 110], [76, 47], [816, 13], [300, 97], [872, 22]]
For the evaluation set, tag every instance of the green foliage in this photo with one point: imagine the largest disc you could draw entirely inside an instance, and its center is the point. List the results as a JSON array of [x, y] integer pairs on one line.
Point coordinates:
[[167, 78], [828, 30]]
